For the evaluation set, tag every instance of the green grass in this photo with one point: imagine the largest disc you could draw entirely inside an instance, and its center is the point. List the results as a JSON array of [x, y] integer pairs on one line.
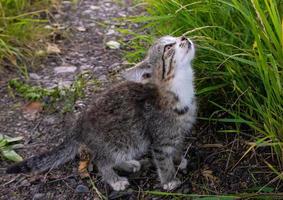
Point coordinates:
[[177, 196], [21, 29], [7, 146], [239, 61], [50, 96]]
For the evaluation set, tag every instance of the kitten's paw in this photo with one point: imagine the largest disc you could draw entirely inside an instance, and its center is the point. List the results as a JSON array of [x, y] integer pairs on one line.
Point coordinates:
[[120, 185], [183, 164], [172, 185], [134, 165]]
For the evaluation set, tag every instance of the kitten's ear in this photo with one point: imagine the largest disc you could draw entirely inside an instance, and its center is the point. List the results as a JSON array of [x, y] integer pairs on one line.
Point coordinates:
[[139, 73]]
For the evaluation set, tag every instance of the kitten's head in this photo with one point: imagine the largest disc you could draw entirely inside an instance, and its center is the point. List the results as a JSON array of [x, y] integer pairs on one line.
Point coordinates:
[[165, 58]]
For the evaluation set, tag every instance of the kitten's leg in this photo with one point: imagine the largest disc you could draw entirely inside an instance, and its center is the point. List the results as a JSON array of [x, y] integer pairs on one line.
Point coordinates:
[[109, 175], [165, 168], [129, 166]]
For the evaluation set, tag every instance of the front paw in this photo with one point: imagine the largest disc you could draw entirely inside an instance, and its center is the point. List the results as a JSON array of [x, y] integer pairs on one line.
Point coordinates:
[[134, 165], [171, 185], [120, 185]]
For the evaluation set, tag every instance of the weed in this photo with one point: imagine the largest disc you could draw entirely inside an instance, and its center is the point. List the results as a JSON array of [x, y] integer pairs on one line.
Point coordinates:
[[7, 146], [33, 93], [21, 29], [49, 96]]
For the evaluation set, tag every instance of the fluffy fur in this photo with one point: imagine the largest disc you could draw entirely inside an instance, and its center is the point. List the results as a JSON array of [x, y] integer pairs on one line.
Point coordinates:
[[148, 113]]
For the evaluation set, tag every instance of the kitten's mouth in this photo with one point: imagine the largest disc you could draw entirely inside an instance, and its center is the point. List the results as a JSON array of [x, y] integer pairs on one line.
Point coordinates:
[[188, 50]]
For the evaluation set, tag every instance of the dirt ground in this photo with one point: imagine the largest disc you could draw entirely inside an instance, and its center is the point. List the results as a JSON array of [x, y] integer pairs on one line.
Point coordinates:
[[215, 164]]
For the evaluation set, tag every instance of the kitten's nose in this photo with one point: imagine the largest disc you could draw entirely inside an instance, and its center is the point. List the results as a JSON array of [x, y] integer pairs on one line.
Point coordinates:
[[186, 40], [183, 38]]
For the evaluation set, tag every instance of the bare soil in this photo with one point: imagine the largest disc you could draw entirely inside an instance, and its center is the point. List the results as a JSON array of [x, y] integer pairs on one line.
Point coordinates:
[[215, 158]]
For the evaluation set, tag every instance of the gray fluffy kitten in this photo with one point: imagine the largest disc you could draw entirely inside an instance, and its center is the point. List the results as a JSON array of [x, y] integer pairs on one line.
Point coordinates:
[[150, 111]]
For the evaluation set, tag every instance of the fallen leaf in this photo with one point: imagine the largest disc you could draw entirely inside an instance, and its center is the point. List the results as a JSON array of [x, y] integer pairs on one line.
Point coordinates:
[[84, 162], [83, 166], [33, 106], [32, 109], [10, 154], [113, 44], [52, 49], [208, 175]]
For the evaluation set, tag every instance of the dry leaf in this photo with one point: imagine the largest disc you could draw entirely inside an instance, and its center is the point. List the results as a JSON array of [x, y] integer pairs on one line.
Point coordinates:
[[83, 165], [52, 49], [32, 109], [208, 175], [84, 162], [33, 106]]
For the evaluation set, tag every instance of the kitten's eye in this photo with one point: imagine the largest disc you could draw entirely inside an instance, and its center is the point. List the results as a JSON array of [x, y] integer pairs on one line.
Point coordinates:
[[168, 47], [146, 75]]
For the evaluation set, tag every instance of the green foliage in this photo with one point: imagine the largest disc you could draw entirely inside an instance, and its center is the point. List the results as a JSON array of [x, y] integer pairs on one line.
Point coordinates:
[[239, 60], [7, 145], [34, 93], [37, 93], [21, 27], [75, 92], [179, 196]]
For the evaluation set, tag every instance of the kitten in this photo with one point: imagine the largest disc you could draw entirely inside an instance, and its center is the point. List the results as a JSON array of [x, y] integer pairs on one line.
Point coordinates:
[[151, 111]]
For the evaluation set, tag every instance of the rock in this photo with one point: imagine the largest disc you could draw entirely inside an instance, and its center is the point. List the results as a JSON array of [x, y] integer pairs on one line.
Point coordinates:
[[64, 84], [67, 2], [25, 183], [102, 78], [113, 44], [34, 76], [81, 28], [65, 69], [87, 12], [98, 70], [57, 16], [83, 59], [91, 25], [110, 32], [82, 189], [38, 196], [94, 7], [85, 67]]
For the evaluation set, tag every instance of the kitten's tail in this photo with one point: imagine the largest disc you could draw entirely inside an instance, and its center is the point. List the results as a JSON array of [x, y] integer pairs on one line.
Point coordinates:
[[61, 154]]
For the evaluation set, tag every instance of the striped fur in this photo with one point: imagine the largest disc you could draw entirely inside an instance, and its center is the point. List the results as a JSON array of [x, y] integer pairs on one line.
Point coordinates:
[[149, 112]]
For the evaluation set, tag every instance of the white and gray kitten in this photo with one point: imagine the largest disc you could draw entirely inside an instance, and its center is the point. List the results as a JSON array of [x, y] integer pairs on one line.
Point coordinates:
[[150, 112]]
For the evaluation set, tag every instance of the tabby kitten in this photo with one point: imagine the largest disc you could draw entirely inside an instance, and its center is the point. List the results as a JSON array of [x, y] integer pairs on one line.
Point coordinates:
[[151, 111]]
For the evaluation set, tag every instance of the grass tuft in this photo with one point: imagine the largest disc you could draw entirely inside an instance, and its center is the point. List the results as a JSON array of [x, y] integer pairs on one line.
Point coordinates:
[[239, 60], [21, 29]]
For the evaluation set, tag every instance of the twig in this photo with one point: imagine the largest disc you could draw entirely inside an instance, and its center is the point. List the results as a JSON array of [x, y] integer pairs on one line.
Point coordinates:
[[182, 158], [12, 180]]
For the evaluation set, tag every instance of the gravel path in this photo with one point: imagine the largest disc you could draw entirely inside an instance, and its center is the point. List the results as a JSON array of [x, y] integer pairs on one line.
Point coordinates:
[[87, 27]]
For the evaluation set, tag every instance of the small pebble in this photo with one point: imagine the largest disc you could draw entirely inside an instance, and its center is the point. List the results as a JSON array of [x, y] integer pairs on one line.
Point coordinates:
[[25, 183], [82, 189], [34, 76], [38, 196]]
